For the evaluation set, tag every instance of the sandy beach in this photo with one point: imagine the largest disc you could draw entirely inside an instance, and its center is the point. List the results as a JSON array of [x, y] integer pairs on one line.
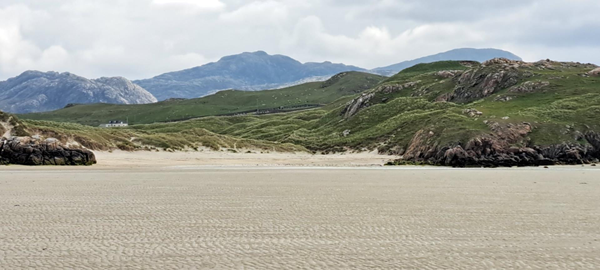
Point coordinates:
[[121, 159], [227, 213]]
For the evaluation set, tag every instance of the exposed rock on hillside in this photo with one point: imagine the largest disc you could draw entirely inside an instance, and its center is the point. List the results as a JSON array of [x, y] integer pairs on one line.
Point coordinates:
[[499, 150], [529, 87], [448, 73], [363, 101], [28, 151], [595, 72], [477, 83], [356, 104], [35, 91], [503, 98], [472, 112]]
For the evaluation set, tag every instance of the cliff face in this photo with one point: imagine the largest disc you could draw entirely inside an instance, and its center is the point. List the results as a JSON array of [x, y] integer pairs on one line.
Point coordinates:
[[35, 91]]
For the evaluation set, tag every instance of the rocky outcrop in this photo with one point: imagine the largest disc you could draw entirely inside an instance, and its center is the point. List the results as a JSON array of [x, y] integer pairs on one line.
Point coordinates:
[[503, 98], [394, 88], [28, 151], [356, 104], [595, 72], [529, 87], [491, 77], [499, 150], [448, 73], [35, 91], [472, 112]]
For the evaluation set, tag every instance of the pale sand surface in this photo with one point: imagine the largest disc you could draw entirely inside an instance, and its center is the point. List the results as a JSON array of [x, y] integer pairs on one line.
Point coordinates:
[[195, 217], [209, 158]]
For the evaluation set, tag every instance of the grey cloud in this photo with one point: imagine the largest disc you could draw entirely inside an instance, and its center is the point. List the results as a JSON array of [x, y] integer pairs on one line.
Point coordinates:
[[140, 39]]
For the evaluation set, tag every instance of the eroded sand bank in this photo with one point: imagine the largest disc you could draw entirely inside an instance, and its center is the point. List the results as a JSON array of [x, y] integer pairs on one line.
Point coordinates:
[[299, 218]]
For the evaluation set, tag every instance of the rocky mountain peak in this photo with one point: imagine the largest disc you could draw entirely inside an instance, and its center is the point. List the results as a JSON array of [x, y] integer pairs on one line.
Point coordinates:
[[35, 91]]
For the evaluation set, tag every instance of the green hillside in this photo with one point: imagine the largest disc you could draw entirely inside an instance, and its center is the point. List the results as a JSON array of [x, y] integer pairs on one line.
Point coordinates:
[[308, 95], [499, 113]]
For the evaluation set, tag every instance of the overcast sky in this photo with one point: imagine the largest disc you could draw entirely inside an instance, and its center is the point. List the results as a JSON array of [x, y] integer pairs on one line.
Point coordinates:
[[143, 38]]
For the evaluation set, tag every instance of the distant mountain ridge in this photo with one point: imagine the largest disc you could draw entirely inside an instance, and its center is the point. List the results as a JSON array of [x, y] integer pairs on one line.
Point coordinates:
[[229, 102], [246, 71], [260, 71], [467, 54], [35, 91]]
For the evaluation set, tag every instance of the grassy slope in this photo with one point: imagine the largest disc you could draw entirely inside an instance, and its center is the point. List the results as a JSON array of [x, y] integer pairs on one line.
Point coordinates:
[[223, 102], [570, 100], [130, 139], [392, 119]]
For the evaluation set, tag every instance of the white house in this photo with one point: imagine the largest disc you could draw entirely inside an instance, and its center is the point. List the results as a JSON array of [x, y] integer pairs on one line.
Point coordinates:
[[113, 124]]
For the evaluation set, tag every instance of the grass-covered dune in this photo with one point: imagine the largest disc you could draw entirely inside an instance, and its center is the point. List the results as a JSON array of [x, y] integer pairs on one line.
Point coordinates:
[[225, 102], [500, 112]]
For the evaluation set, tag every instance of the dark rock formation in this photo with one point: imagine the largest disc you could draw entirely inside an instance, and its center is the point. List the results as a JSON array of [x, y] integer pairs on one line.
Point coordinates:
[[499, 150], [26, 151]]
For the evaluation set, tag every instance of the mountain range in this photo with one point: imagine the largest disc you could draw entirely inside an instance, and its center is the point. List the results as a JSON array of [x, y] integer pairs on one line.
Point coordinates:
[[451, 113], [246, 71], [35, 91], [464, 54]]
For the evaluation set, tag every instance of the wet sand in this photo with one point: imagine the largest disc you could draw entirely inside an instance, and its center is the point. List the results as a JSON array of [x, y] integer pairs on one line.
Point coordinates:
[[243, 217]]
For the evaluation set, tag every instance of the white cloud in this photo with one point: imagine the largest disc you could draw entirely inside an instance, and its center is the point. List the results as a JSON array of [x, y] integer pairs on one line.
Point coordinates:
[[203, 5], [258, 12], [143, 38], [16, 52], [188, 60], [376, 46]]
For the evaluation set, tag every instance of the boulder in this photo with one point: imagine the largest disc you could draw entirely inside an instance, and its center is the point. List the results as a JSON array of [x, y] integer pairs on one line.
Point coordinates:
[[503, 98], [472, 112], [595, 72], [27, 151]]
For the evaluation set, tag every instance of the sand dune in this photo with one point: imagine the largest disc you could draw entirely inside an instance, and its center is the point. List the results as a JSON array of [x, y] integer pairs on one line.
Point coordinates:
[[298, 218]]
